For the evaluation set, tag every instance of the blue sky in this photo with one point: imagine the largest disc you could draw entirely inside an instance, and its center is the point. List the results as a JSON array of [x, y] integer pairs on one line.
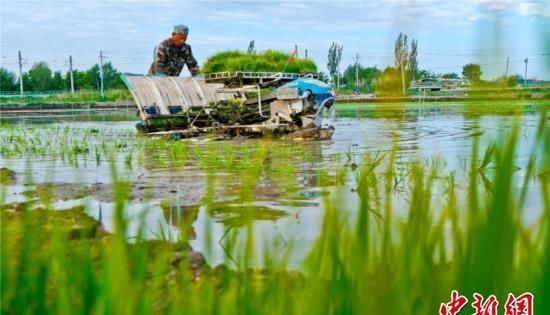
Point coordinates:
[[450, 33]]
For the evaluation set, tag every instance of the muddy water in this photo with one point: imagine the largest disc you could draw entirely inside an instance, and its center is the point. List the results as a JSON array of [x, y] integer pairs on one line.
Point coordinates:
[[166, 196]]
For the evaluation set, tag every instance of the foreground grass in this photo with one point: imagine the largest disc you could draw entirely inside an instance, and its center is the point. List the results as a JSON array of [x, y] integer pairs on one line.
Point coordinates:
[[378, 262]]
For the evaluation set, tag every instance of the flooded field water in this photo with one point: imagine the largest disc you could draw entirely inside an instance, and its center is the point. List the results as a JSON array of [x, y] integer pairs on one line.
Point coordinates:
[[199, 184]]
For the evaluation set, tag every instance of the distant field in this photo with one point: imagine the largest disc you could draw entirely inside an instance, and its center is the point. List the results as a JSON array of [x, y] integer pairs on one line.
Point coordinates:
[[478, 95], [86, 96], [466, 102]]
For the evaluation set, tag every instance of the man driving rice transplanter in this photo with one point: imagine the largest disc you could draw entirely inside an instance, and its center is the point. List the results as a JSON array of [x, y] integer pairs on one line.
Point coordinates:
[[173, 53]]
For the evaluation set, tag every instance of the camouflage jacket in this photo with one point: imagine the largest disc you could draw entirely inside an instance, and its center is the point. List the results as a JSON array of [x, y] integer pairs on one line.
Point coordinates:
[[169, 59]]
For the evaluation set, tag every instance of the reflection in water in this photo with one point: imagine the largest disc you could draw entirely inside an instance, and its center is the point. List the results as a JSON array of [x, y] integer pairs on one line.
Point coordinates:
[[288, 181]]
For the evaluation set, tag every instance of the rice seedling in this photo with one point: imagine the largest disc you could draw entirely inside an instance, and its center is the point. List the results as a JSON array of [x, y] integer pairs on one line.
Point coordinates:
[[461, 230]]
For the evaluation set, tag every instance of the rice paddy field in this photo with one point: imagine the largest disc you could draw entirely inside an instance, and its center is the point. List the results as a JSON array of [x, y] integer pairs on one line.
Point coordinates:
[[404, 204]]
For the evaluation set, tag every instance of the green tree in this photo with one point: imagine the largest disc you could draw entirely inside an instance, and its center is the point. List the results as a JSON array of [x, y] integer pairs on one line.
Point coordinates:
[[333, 63], [513, 80], [86, 80], [401, 52], [413, 62], [57, 82], [111, 77], [406, 60], [8, 80], [80, 80], [40, 77], [323, 77], [450, 75], [367, 77], [27, 82], [472, 72], [425, 74], [389, 83], [92, 78], [508, 81]]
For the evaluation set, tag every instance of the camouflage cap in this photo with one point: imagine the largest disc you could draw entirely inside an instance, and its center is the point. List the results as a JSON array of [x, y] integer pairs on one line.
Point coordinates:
[[181, 29]]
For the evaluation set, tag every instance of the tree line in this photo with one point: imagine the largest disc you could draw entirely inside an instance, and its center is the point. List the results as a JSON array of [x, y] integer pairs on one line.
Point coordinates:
[[392, 80], [41, 78], [396, 79]]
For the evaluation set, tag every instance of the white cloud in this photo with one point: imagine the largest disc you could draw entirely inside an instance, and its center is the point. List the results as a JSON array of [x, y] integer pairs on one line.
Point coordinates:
[[130, 29], [534, 8], [495, 5]]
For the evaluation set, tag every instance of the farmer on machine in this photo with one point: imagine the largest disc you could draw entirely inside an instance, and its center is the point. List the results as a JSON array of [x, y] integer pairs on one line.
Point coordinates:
[[173, 53]]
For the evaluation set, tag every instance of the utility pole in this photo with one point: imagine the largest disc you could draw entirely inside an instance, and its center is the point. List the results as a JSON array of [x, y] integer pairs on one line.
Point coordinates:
[[306, 53], [71, 73], [20, 73], [296, 50], [507, 63], [357, 71], [525, 76], [101, 72]]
